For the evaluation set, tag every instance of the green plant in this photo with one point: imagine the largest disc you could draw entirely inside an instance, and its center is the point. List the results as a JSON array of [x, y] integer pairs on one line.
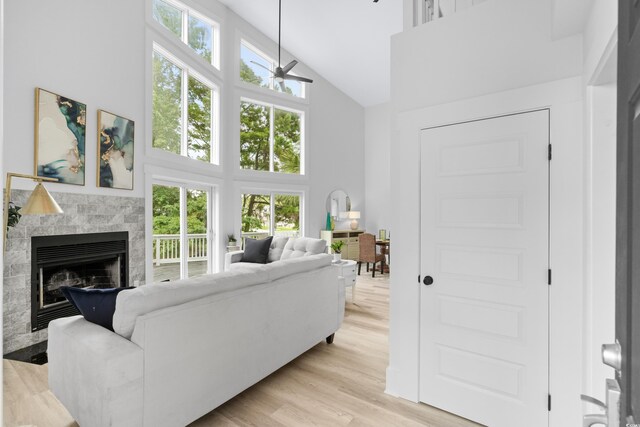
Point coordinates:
[[231, 238], [13, 215], [337, 246]]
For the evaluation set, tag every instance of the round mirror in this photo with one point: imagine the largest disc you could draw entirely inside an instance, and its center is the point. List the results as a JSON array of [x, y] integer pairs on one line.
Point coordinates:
[[338, 201]]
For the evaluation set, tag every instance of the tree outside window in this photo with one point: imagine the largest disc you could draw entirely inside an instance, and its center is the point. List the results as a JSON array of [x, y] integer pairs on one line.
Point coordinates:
[[257, 221]]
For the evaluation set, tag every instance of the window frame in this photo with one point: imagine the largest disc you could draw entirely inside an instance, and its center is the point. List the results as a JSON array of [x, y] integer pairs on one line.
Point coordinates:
[[184, 38], [272, 107], [272, 191], [184, 182], [304, 87], [215, 119]]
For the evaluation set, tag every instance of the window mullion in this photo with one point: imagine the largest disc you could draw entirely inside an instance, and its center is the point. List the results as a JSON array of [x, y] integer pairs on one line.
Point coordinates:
[[271, 138], [184, 239], [272, 225], [185, 113]]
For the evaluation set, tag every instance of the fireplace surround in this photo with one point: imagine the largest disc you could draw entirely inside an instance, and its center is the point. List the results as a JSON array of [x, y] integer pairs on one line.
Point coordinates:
[[95, 260]]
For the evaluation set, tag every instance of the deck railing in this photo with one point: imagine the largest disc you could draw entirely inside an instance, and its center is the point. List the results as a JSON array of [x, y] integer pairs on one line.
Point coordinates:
[[166, 248]]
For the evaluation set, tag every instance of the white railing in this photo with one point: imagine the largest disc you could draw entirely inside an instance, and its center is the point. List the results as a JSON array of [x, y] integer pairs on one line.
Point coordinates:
[[166, 248], [427, 10]]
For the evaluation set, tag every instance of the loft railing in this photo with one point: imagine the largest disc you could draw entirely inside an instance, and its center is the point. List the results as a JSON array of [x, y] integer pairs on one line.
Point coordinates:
[[166, 248], [428, 10]]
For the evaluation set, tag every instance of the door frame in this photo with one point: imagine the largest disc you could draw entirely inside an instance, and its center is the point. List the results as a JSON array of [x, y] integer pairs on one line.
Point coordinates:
[[565, 101]]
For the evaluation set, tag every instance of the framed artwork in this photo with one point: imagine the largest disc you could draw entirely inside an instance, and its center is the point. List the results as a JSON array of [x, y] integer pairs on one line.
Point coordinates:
[[115, 151], [60, 138]]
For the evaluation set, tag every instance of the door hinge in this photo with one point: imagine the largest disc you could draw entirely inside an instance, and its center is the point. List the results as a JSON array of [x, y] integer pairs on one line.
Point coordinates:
[[550, 152], [549, 282], [549, 402]]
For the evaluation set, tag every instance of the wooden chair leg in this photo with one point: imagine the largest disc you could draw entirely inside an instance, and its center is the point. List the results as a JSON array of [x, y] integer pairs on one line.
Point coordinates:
[[367, 267], [359, 267], [373, 270], [382, 267]]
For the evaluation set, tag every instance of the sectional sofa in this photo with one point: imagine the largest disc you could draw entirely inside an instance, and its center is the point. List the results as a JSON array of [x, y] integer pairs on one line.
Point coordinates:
[[180, 349]]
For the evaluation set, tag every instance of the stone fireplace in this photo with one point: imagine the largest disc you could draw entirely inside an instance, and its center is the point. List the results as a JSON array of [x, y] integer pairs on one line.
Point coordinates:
[[94, 260], [83, 214]]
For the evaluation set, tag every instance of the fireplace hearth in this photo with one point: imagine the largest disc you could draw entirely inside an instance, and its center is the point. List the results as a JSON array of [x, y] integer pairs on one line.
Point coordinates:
[[97, 260]]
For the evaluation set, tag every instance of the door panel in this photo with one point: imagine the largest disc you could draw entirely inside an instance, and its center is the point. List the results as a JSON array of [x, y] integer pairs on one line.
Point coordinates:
[[484, 240]]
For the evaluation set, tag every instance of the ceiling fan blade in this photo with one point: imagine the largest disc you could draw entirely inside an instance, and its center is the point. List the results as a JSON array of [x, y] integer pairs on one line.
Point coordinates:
[[282, 87], [260, 65], [297, 78], [289, 66]]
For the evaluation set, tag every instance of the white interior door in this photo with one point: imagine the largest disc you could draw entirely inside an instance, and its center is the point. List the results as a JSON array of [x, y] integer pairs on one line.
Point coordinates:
[[485, 244]]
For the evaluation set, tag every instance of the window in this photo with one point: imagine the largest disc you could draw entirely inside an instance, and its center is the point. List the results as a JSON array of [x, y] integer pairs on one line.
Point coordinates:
[[184, 110], [181, 234], [270, 138], [196, 31], [256, 68], [257, 220]]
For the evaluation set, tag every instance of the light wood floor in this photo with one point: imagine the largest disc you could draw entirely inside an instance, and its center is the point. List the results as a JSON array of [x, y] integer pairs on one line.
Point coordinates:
[[330, 385]]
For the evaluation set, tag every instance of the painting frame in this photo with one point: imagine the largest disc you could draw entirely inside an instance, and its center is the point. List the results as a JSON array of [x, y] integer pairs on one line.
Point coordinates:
[[115, 151], [59, 138]]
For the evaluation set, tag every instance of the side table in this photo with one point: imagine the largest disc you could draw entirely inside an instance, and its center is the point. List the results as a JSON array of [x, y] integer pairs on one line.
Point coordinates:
[[347, 269]]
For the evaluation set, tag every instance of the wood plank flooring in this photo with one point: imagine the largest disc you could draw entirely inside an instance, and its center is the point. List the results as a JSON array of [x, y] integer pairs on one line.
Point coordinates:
[[341, 384]]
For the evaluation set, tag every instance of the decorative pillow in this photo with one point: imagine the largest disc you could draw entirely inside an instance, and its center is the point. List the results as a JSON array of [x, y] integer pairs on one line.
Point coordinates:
[[96, 305], [256, 251], [277, 246], [303, 246]]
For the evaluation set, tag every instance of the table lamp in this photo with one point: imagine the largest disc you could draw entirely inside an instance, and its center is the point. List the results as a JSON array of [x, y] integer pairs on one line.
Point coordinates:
[[354, 216]]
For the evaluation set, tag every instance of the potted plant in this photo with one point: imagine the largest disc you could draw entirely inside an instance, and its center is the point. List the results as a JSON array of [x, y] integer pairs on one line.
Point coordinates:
[[232, 240], [336, 247]]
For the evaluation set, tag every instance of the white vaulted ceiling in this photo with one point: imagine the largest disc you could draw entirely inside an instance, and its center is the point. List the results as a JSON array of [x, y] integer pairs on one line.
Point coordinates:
[[345, 41]]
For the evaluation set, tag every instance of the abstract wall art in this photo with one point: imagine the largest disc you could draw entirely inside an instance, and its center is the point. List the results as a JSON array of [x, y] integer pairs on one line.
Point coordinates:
[[115, 151], [60, 137]]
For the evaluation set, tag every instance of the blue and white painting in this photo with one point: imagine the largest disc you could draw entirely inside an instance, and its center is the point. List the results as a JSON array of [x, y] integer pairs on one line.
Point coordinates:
[[60, 137], [115, 151]]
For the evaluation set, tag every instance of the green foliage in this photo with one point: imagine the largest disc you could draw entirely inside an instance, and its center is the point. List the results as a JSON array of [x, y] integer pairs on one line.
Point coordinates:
[[167, 110], [166, 210], [14, 215], [199, 129], [337, 246]]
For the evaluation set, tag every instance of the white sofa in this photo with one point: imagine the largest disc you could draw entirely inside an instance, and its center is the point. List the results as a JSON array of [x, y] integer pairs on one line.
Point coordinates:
[[182, 348]]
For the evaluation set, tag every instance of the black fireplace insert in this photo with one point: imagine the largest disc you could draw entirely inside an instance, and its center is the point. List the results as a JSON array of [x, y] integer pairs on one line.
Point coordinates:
[[92, 261]]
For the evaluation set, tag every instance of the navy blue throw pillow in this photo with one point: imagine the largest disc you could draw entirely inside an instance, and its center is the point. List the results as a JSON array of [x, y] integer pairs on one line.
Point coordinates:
[[256, 251], [96, 305]]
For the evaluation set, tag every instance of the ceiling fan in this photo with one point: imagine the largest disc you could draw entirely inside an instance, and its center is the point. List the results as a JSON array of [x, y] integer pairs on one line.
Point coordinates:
[[282, 73]]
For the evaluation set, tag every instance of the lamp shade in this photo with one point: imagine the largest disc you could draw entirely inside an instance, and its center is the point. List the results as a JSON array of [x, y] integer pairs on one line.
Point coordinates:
[[353, 214], [40, 203]]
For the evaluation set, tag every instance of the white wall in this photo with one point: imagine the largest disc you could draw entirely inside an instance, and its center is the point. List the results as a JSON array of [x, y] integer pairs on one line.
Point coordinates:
[[92, 52], [377, 167], [494, 46], [495, 58], [98, 53]]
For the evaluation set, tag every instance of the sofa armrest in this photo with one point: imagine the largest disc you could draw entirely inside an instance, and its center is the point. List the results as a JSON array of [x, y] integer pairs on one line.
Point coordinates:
[[95, 373], [231, 257]]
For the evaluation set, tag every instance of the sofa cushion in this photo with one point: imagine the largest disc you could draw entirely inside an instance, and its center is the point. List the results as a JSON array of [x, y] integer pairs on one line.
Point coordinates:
[[145, 299], [96, 305], [303, 246], [256, 250], [277, 246]]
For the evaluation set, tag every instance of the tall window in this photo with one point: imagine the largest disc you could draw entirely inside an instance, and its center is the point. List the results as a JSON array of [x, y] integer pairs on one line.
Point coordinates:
[[181, 232], [184, 110], [256, 68], [196, 31], [270, 138], [258, 220]]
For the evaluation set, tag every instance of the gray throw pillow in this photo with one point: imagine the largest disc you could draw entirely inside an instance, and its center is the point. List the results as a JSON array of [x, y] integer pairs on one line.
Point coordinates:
[[256, 251]]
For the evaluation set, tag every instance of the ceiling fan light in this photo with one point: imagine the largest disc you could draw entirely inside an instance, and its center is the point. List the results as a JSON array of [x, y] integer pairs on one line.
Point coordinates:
[[279, 79]]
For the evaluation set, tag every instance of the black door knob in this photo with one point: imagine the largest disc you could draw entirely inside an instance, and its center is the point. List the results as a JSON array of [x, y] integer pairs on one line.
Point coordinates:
[[428, 280]]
